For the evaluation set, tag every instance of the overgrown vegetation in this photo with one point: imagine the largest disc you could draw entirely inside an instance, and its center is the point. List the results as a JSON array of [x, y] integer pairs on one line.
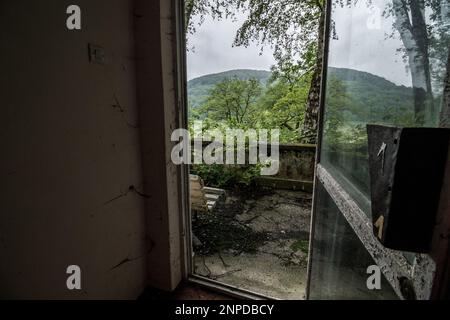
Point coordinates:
[[276, 23], [353, 97], [221, 231], [294, 30], [217, 235], [227, 176], [243, 104], [302, 245]]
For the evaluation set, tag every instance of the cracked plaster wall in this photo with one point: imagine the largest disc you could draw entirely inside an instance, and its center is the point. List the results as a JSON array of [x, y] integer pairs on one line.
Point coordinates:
[[74, 137]]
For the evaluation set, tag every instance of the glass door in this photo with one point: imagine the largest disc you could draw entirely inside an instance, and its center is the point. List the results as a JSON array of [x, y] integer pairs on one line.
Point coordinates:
[[386, 63]]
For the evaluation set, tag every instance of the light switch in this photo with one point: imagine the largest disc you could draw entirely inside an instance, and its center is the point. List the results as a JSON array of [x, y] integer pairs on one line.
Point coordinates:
[[96, 54]]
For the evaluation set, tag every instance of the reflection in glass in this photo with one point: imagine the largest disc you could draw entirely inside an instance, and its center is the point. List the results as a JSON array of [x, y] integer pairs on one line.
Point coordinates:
[[339, 259], [387, 65]]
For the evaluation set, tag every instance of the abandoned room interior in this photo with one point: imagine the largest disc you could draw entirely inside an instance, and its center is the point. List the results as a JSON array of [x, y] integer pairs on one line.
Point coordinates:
[[209, 149]]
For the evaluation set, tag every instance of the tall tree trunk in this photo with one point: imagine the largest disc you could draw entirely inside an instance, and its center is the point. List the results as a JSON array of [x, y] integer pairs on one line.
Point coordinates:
[[445, 112], [415, 39], [310, 124]]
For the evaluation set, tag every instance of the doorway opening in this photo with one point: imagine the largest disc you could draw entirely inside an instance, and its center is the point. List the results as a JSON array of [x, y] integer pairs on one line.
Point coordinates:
[[249, 224], [251, 231]]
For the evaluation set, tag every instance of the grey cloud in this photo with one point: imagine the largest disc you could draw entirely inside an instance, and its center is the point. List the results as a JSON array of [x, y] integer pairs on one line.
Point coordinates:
[[213, 51]]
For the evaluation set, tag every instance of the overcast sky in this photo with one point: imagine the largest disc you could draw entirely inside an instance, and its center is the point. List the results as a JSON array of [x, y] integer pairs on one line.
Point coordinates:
[[362, 45], [213, 51]]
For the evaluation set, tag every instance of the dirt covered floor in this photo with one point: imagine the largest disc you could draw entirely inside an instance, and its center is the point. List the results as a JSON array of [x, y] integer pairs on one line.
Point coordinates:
[[256, 240]]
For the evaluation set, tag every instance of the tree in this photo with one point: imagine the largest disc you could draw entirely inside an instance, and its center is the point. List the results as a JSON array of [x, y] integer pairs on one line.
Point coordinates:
[[445, 112], [293, 28], [338, 102], [424, 29], [232, 101], [283, 106], [243, 104], [296, 29], [410, 22]]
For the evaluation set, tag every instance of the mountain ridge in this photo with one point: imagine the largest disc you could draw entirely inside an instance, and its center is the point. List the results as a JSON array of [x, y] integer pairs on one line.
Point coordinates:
[[198, 88], [248, 73], [370, 95]]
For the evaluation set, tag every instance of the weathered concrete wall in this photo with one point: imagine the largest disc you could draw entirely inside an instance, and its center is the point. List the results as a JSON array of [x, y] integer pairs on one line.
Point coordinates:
[[297, 162], [74, 138], [296, 169]]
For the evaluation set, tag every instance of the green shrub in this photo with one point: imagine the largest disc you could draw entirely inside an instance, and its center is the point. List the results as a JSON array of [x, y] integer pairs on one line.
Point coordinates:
[[226, 176]]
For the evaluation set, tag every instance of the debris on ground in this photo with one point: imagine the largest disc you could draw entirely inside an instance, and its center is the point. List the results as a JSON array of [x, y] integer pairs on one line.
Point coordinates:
[[257, 239]]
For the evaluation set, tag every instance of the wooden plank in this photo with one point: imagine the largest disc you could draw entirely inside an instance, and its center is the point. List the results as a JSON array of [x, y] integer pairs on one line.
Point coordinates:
[[214, 190], [212, 197]]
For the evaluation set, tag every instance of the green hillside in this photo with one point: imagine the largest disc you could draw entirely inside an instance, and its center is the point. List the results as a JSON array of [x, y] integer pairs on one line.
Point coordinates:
[[373, 97], [198, 88], [370, 96]]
